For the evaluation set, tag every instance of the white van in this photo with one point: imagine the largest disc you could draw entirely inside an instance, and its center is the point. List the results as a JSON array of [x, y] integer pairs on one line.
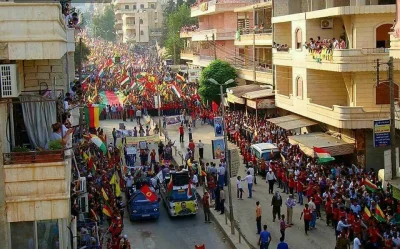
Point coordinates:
[[263, 150]]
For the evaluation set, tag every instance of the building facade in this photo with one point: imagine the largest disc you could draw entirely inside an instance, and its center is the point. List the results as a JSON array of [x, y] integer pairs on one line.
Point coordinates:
[[36, 54], [325, 58], [230, 30], [138, 21]]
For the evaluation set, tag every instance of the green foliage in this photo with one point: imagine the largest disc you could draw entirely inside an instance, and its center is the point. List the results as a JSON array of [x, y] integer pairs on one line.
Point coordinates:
[[220, 71], [77, 53], [176, 20], [20, 149], [169, 8], [104, 25], [55, 145]]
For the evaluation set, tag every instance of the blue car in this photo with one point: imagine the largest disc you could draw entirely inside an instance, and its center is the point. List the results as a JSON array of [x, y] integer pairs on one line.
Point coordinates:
[[140, 208]]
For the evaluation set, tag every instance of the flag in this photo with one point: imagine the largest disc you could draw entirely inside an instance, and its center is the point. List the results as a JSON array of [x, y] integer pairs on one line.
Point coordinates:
[[125, 79], [85, 156], [176, 91], [379, 215], [99, 143], [214, 106], [170, 187], [189, 192], [103, 192], [283, 158], [107, 210], [370, 186], [366, 213], [323, 155], [117, 190], [101, 72], [94, 215], [180, 77], [92, 115], [113, 179], [150, 196]]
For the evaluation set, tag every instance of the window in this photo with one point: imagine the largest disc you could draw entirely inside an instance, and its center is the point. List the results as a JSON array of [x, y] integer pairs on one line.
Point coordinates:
[[140, 21], [127, 7], [141, 32], [133, 7], [299, 87], [153, 6], [383, 93], [142, 6], [382, 36], [298, 37], [48, 234], [23, 235]]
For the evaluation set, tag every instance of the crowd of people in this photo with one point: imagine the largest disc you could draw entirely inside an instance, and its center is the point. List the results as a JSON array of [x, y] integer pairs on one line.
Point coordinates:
[[323, 49], [189, 28]]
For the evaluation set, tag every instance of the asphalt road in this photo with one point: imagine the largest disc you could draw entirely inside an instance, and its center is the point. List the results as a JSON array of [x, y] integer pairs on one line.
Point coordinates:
[[167, 232], [174, 233]]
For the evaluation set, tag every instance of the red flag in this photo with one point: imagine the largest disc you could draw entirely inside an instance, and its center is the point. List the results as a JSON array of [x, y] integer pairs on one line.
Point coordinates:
[[148, 193], [214, 106], [189, 192]]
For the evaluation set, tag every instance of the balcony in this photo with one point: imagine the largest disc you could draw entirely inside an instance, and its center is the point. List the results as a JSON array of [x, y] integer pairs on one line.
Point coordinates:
[[155, 32], [348, 60], [189, 54], [345, 117], [282, 57], [130, 26], [394, 49], [263, 37], [120, 32], [204, 35], [186, 34], [220, 6], [246, 71], [70, 39], [123, 11], [32, 31]]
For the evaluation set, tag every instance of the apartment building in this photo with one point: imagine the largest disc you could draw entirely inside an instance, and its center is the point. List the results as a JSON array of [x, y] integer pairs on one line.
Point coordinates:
[[138, 21], [334, 90], [36, 54]]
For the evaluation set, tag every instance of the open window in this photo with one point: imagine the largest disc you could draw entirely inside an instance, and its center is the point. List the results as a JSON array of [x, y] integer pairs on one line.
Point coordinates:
[[299, 37]]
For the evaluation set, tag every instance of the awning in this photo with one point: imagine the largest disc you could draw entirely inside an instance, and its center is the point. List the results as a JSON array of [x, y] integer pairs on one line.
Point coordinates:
[[235, 93], [259, 94], [254, 6], [291, 122], [334, 146]]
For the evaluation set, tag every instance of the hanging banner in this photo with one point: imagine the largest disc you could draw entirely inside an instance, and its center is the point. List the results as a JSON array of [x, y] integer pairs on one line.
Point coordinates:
[[218, 127], [218, 148], [382, 133]]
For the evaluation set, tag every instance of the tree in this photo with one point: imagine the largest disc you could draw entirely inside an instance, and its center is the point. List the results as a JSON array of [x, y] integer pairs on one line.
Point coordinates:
[[169, 8], [104, 24], [221, 71], [176, 21], [77, 53]]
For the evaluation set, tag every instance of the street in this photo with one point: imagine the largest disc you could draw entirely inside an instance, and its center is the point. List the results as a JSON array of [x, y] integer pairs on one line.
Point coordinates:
[[167, 232]]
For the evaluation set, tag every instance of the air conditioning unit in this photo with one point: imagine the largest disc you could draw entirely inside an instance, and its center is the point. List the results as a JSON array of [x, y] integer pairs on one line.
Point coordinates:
[[84, 203], [9, 87], [82, 185], [327, 23]]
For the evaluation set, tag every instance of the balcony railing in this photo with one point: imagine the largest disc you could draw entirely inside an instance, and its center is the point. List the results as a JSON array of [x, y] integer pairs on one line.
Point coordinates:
[[206, 57], [258, 31], [33, 157]]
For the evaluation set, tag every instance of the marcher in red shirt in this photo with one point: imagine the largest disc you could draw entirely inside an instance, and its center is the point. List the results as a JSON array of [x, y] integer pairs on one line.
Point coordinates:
[[181, 133], [291, 185], [307, 217], [192, 146]]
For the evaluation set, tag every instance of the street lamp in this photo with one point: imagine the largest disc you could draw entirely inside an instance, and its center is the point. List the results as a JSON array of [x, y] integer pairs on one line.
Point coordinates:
[[226, 150]]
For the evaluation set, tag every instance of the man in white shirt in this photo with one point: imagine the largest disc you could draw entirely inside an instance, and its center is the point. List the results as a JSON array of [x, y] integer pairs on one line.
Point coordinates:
[[239, 188], [249, 178], [356, 243], [271, 180], [200, 145]]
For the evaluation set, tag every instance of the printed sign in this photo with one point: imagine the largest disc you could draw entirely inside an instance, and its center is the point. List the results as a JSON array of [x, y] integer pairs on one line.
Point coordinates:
[[185, 207], [173, 119], [218, 127], [234, 162], [218, 148], [131, 150], [382, 133]]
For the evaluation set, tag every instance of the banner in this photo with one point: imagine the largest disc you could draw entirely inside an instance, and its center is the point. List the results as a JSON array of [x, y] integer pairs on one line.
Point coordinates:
[[218, 148], [173, 119], [148, 139], [185, 208], [218, 127]]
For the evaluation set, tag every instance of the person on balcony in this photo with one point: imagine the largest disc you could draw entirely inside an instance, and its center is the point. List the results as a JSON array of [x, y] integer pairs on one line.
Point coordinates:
[[56, 134]]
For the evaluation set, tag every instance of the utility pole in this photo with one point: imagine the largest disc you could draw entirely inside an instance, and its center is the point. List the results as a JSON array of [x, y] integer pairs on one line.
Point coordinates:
[[393, 160], [254, 50], [80, 60], [215, 46]]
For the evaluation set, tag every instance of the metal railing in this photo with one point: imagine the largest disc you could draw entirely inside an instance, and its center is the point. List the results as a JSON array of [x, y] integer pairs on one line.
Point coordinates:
[[259, 31], [374, 50], [206, 57]]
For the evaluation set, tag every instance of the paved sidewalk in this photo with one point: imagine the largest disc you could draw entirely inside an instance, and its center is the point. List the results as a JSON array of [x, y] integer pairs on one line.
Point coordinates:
[[244, 210]]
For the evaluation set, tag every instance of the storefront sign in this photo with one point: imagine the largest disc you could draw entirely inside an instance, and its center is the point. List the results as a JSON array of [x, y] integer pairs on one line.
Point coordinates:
[[261, 103], [382, 133]]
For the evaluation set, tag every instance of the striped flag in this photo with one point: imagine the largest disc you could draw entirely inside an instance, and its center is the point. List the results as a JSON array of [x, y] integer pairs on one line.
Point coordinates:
[[180, 77], [107, 210], [323, 155], [366, 213], [370, 186], [125, 79], [379, 215], [105, 196], [92, 115], [176, 91], [101, 72]]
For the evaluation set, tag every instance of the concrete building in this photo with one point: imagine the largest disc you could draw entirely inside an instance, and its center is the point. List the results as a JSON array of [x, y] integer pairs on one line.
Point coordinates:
[[335, 88], [138, 21], [226, 32], [36, 53]]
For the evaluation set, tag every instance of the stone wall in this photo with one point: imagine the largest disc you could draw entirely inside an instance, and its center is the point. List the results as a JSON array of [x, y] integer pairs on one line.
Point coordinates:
[[37, 72]]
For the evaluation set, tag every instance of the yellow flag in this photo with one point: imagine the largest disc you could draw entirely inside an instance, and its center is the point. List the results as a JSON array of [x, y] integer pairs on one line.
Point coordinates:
[[117, 190], [113, 179], [85, 156]]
